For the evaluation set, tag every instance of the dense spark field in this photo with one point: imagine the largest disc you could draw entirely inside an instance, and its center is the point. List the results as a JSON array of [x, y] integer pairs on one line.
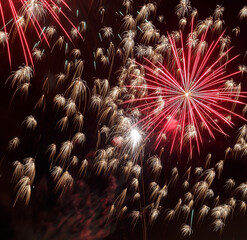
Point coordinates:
[[123, 120]]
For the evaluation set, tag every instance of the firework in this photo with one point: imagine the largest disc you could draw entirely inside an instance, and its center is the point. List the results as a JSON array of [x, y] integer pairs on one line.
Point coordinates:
[[182, 93], [29, 13], [189, 95], [105, 128]]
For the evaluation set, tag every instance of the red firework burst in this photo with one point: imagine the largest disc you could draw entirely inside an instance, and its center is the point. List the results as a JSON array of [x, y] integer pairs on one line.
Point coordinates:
[[189, 92], [29, 13]]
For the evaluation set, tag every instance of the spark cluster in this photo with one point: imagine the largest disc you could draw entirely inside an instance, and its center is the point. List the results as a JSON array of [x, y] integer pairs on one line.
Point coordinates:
[[112, 126]]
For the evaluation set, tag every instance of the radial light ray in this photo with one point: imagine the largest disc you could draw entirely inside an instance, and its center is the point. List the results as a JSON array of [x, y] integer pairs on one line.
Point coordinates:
[[191, 94], [29, 13]]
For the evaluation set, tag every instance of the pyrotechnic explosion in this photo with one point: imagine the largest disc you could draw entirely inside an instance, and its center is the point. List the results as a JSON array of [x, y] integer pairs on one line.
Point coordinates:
[[185, 95], [26, 14], [116, 134]]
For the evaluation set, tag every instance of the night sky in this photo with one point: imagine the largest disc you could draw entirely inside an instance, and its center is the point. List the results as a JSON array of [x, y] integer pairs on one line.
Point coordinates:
[[82, 211]]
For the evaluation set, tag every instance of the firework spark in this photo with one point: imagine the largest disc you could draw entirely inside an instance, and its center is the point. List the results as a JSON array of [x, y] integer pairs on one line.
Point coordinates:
[[29, 13], [182, 95], [189, 92]]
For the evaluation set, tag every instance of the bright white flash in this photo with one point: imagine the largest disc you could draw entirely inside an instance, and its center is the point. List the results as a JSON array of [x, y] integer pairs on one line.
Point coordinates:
[[187, 94], [135, 137]]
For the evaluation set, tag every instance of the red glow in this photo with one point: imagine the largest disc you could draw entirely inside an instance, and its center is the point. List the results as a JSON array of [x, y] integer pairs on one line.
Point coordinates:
[[188, 93]]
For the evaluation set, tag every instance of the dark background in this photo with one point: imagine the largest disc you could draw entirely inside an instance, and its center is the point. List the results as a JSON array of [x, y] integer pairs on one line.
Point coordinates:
[[80, 213]]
